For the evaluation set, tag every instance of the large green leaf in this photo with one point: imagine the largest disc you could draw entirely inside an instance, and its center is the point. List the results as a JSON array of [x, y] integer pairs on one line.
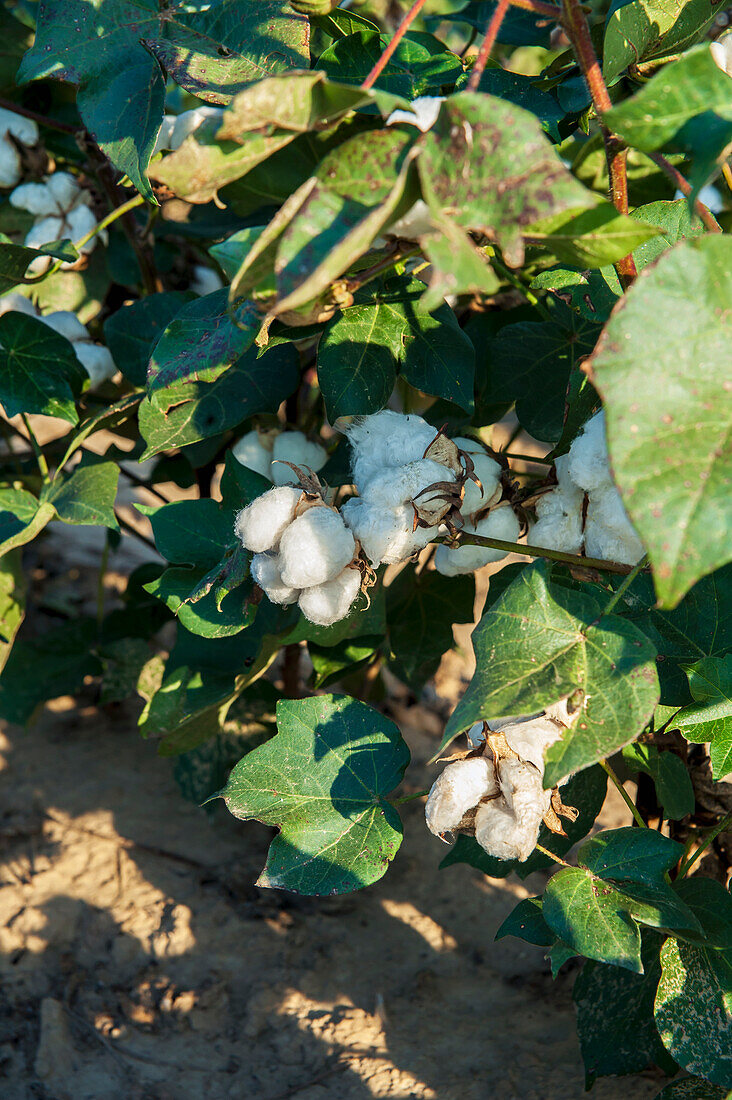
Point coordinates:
[[133, 330], [635, 855], [15, 258], [694, 1009], [192, 532], [669, 424], [322, 781], [591, 238], [488, 165], [110, 51], [457, 266], [540, 642], [420, 65], [39, 372], [592, 917], [670, 775], [206, 615], [86, 494], [709, 717], [711, 904], [421, 611], [643, 29]]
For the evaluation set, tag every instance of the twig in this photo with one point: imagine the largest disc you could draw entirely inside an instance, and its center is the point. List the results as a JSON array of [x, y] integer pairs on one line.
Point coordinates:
[[42, 120], [538, 7], [685, 188], [527, 458], [578, 31], [552, 855], [542, 552], [624, 794], [489, 42], [134, 532], [408, 797], [401, 30], [40, 457], [709, 839], [623, 588]]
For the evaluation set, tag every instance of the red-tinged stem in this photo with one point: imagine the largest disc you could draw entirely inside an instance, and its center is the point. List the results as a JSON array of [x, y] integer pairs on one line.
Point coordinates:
[[578, 32], [685, 188], [42, 120], [398, 35], [489, 42], [538, 7]]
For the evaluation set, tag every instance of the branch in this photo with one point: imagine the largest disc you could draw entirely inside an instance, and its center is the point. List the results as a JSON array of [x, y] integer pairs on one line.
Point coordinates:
[[685, 188], [543, 552], [401, 30], [489, 42], [42, 120]]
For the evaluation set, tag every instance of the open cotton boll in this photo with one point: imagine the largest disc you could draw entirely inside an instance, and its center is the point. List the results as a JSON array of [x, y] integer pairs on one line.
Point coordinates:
[[44, 232], [166, 133], [559, 526], [422, 114], [295, 447], [530, 740], [501, 523], [386, 536], [588, 463], [721, 51], [260, 525], [251, 453], [384, 439], [10, 166], [501, 835], [266, 571], [315, 547], [96, 360], [523, 788], [395, 486], [415, 223], [66, 324], [80, 221], [189, 121], [17, 303], [65, 190], [609, 534], [205, 280], [22, 128], [458, 790], [35, 198], [489, 472], [328, 603]]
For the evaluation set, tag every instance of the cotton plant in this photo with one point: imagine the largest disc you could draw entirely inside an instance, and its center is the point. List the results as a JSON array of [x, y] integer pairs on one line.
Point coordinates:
[[95, 358], [270, 453], [586, 510], [422, 113], [495, 791], [176, 128], [23, 130], [62, 210]]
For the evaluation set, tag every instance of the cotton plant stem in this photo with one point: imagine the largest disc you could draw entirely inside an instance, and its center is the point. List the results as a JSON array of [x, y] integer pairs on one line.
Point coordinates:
[[623, 588], [542, 552], [401, 30], [685, 188], [408, 797], [489, 42], [40, 457], [727, 173], [624, 794], [120, 212], [578, 31], [709, 839], [552, 855], [126, 526], [42, 120]]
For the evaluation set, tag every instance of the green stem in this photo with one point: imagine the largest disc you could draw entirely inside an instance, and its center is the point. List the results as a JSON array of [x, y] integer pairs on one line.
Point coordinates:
[[120, 212], [552, 855], [509, 276], [40, 457], [624, 794], [542, 552], [623, 588], [408, 797], [125, 405], [709, 839]]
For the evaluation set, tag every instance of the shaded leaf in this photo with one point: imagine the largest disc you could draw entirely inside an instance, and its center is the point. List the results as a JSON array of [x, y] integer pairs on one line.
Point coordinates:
[[670, 776], [132, 331], [86, 494], [421, 611], [39, 372]]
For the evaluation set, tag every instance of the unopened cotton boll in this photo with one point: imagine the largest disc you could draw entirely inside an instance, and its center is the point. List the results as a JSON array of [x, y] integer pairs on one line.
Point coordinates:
[[609, 534], [189, 121], [395, 486], [261, 524], [588, 464], [423, 113], [267, 573], [387, 537], [721, 51], [297, 448], [455, 792], [328, 603], [315, 547], [500, 523], [250, 451], [384, 439]]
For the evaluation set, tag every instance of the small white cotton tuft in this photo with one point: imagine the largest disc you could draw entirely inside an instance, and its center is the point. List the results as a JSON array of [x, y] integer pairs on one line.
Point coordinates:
[[422, 114], [10, 166], [395, 486], [530, 740], [295, 447], [265, 569], [325, 604], [721, 51], [459, 789], [189, 121], [64, 188], [17, 303], [250, 451], [261, 524], [386, 439], [500, 523], [22, 128], [35, 198], [96, 360], [45, 231], [80, 221], [315, 547], [609, 534], [164, 136], [386, 536], [205, 280], [66, 324], [588, 463]]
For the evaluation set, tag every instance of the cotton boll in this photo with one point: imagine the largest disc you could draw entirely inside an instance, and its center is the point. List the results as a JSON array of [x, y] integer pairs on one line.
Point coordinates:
[[415, 223], [205, 280], [266, 571], [529, 740], [315, 548], [395, 486], [17, 303], [96, 360], [609, 534], [501, 523], [328, 603], [66, 324], [10, 165], [459, 789], [35, 198], [489, 473], [385, 536], [721, 51], [189, 121], [588, 464], [24, 129], [165, 135], [45, 231], [423, 113], [386, 439], [501, 835], [559, 526], [295, 447], [80, 221], [561, 713], [250, 452], [522, 787], [260, 525], [64, 189]]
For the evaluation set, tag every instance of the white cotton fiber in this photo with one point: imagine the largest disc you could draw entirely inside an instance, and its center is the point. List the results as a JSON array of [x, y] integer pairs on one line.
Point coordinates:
[[295, 447], [588, 463], [529, 740], [386, 439], [45, 231], [489, 473], [500, 834], [609, 534], [35, 198], [166, 133], [250, 451], [189, 121], [66, 324], [423, 112], [559, 523], [328, 603], [315, 547], [24, 129], [64, 188], [204, 280], [721, 51], [261, 524], [17, 303], [459, 789], [96, 360], [265, 569], [386, 536], [80, 221], [395, 486], [10, 167], [500, 523]]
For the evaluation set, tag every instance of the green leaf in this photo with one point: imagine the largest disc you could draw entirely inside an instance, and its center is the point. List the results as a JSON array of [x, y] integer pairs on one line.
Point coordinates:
[[133, 330], [192, 532], [206, 616], [694, 1009], [709, 718], [240, 485], [12, 601], [86, 494], [526, 922], [635, 855], [591, 238], [420, 65], [538, 643], [15, 259], [591, 916], [669, 424], [615, 1022], [488, 166], [519, 28], [669, 773], [711, 904], [330, 663], [421, 611], [322, 781], [39, 372], [457, 266], [521, 90], [693, 1088], [53, 664], [643, 29], [198, 410]]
